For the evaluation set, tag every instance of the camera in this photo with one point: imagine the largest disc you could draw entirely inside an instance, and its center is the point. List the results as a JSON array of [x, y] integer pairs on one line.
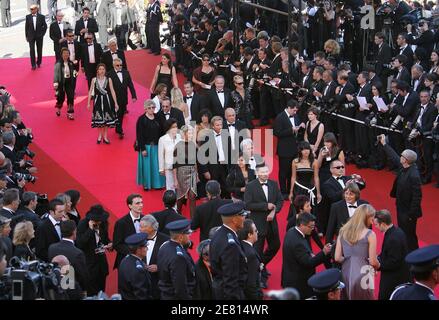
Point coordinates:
[[26, 176], [30, 280]]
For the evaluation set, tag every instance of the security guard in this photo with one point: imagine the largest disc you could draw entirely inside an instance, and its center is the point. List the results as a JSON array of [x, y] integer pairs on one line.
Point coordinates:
[[326, 284], [425, 269], [133, 278], [175, 265], [227, 258]]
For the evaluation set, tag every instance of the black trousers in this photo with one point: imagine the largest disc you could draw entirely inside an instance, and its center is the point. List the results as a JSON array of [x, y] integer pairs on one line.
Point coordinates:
[[408, 225], [346, 128], [269, 233], [362, 143], [68, 89], [219, 173], [285, 174], [426, 163], [122, 36], [39, 44], [90, 72], [120, 114], [153, 31], [265, 102]]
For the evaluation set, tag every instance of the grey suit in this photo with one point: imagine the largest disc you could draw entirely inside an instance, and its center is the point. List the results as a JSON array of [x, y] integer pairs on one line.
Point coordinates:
[[5, 7], [103, 18]]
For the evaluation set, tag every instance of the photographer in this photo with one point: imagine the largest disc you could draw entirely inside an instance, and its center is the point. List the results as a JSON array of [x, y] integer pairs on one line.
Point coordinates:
[[424, 40], [19, 164]]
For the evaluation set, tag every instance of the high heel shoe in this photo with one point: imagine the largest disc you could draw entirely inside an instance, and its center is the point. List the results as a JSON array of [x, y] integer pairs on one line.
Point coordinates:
[[99, 141], [58, 113], [106, 141]]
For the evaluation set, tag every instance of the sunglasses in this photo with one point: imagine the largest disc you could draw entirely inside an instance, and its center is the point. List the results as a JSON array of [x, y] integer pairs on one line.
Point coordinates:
[[117, 65], [339, 167], [239, 83], [207, 60]]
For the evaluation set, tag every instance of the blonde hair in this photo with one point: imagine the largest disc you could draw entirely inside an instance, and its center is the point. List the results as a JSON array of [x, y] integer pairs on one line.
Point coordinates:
[[176, 97], [351, 231], [23, 233], [333, 46], [237, 78]]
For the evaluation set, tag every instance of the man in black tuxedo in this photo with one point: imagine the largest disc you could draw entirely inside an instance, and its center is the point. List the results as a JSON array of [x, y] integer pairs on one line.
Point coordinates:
[[166, 112], [333, 190], [193, 100], [248, 236], [90, 57], [383, 56], [66, 247], [212, 38], [286, 127], [400, 70], [35, 29], [214, 166], [169, 214], [264, 200], [75, 49], [418, 78], [219, 98], [126, 226], [57, 32], [111, 54], [262, 69], [227, 258], [11, 201], [394, 269], [85, 25], [298, 260], [404, 49], [206, 216], [407, 191], [149, 225], [306, 74], [327, 97], [121, 82], [424, 40], [346, 127], [423, 122], [341, 211], [49, 231], [237, 133]]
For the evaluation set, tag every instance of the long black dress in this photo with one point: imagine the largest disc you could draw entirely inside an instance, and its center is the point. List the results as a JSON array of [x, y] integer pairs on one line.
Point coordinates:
[[165, 78], [104, 114], [312, 135]]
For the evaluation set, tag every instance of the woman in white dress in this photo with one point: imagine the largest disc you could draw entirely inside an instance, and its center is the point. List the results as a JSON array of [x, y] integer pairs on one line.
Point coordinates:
[[166, 152]]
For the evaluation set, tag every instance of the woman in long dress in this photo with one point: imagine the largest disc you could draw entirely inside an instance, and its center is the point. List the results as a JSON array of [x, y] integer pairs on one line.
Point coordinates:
[[356, 251], [164, 73], [166, 151], [148, 133], [104, 103], [185, 169], [314, 131]]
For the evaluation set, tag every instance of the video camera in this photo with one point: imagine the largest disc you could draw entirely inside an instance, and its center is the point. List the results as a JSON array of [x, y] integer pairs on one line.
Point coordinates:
[[30, 280]]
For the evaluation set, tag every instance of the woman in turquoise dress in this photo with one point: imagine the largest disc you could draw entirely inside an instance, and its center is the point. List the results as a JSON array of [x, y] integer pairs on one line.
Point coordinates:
[[148, 133]]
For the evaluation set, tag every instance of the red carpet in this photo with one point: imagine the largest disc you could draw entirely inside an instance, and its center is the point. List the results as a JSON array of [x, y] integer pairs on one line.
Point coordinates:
[[68, 156]]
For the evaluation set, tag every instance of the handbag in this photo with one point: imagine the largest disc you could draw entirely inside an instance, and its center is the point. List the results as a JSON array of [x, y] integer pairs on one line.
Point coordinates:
[[136, 146]]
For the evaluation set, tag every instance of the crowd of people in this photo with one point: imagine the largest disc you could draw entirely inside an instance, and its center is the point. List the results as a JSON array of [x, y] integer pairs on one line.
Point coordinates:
[[327, 107]]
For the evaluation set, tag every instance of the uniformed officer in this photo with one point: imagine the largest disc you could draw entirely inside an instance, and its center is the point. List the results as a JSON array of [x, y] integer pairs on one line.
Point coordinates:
[[425, 269], [227, 258], [175, 264], [133, 278], [326, 284]]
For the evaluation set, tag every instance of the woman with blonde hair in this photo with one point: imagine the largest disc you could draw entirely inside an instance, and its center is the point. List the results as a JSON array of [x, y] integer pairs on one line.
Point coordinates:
[[23, 233], [332, 49], [356, 252], [177, 101]]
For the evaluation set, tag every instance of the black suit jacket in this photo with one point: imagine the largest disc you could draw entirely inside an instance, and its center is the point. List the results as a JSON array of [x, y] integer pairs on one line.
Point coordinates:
[[394, 269], [256, 202], [92, 27], [383, 57], [212, 41], [347, 89], [427, 119], [214, 103], [175, 113], [338, 216], [406, 187], [7, 214], [203, 286], [331, 91], [235, 181], [45, 235], [298, 263], [308, 81], [283, 130], [85, 58], [164, 217], [332, 191], [56, 34], [252, 288], [39, 32], [76, 258], [196, 106], [206, 216], [161, 239], [404, 75], [107, 59], [123, 228], [408, 109], [408, 52], [121, 88]]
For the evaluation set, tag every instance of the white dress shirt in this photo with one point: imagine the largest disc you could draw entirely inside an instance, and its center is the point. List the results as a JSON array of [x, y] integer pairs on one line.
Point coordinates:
[[61, 28], [166, 151], [219, 146], [71, 47], [232, 131], [421, 112], [293, 123], [91, 54], [86, 23], [56, 225], [265, 189], [221, 98], [136, 223], [150, 244], [351, 210], [189, 103], [34, 20], [119, 75], [340, 181]]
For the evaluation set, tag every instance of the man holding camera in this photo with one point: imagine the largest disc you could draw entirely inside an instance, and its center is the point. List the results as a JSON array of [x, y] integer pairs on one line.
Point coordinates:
[[424, 40]]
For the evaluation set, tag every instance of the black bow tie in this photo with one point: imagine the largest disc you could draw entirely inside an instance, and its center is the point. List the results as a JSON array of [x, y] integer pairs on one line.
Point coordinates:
[[85, 20], [59, 22], [167, 114], [264, 184], [90, 44], [189, 97], [136, 220], [340, 178], [231, 124], [352, 206], [57, 224], [34, 15], [220, 91], [153, 238], [119, 71], [70, 42], [217, 134], [291, 116]]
